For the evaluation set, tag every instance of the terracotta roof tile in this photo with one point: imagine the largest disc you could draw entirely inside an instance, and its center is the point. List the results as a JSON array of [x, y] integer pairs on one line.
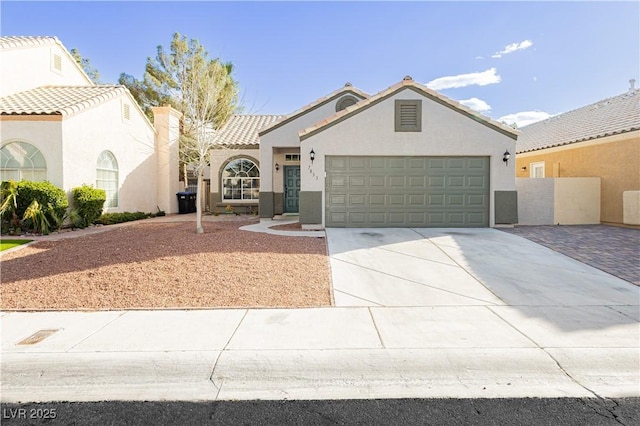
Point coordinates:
[[242, 130], [57, 100], [618, 114]]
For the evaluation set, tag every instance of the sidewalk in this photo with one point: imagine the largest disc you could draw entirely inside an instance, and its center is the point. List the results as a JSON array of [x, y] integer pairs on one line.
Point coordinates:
[[493, 316]]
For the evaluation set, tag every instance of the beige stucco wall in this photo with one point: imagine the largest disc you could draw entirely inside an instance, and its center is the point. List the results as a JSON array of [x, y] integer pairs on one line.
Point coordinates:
[[444, 132], [29, 67], [166, 122], [614, 159], [287, 136], [558, 201]]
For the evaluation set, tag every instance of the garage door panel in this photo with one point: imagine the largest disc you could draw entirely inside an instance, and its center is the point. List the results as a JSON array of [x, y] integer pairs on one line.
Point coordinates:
[[407, 191]]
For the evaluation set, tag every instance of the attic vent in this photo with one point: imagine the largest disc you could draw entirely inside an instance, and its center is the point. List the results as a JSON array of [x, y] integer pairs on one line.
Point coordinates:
[[126, 112], [345, 102], [57, 62], [408, 115]]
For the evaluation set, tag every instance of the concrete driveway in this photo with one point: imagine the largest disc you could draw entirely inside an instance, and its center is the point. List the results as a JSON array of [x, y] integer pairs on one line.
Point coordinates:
[[463, 267]]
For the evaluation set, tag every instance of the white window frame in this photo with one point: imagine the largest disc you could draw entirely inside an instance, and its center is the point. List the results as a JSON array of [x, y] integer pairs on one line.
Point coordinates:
[[535, 167], [246, 184], [28, 169], [293, 158], [107, 178]]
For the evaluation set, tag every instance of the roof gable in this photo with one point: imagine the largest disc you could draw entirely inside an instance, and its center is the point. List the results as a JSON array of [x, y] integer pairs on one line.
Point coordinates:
[[406, 84], [347, 89], [611, 116]]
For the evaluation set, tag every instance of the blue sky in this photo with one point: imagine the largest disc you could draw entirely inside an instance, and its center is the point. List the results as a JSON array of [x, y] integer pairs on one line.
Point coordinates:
[[508, 60]]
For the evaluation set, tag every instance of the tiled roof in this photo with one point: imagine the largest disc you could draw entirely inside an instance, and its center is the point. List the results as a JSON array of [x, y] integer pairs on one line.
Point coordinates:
[[242, 130], [58, 100], [619, 114], [347, 89], [22, 41], [407, 82]]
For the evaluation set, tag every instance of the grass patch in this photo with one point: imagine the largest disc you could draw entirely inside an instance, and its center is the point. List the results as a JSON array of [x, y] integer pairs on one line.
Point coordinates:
[[7, 244]]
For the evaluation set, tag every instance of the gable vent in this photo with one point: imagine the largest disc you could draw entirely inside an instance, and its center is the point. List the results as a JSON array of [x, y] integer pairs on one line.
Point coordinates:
[[57, 62], [126, 111], [408, 115]]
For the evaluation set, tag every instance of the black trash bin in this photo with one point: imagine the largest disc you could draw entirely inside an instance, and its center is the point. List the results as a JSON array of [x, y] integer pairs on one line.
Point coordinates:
[[186, 202]]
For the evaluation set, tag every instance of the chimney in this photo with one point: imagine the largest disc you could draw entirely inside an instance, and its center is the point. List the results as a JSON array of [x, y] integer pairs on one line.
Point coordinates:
[[632, 83]]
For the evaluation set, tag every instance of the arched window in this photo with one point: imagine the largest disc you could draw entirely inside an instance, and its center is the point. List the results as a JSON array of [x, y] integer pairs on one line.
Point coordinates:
[[107, 177], [241, 180], [21, 160]]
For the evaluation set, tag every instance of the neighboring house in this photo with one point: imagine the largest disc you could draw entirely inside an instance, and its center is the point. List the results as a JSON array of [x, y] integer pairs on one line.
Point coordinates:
[[57, 125], [598, 140], [406, 157]]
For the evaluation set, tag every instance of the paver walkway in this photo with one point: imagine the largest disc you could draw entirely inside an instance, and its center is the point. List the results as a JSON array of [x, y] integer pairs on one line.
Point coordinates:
[[612, 249]]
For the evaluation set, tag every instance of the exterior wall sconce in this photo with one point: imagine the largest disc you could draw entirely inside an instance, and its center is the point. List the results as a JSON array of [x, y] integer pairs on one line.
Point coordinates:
[[505, 157], [312, 155], [523, 168], [277, 167]]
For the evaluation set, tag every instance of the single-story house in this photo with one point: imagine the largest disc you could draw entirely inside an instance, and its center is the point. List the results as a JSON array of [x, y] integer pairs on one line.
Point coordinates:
[[598, 140], [406, 157], [57, 125]]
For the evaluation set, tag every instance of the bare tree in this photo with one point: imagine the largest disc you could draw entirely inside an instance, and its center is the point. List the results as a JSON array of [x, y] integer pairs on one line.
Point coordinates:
[[208, 99]]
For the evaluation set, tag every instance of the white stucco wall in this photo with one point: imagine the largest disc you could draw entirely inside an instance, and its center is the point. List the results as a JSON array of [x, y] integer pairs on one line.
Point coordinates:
[[287, 136], [44, 134], [30, 67], [101, 128], [444, 132]]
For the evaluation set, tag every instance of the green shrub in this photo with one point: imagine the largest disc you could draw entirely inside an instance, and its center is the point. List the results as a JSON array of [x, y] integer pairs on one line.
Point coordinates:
[[52, 200], [113, 218], [87, 205]]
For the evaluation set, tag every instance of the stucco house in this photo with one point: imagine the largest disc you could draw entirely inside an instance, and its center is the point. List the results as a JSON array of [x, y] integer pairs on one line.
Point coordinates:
[[598, 140], [57, 125], [405, 157]]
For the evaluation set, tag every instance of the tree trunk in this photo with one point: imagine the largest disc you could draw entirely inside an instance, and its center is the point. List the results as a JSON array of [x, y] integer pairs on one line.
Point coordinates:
[[199, 228]]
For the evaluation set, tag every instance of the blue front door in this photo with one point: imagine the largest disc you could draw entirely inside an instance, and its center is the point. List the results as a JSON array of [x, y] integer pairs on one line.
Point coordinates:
[[291, 189]]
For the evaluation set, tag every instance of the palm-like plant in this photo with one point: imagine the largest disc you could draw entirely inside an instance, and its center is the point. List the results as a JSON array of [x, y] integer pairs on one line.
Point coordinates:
[[9, 201], [36, 218]]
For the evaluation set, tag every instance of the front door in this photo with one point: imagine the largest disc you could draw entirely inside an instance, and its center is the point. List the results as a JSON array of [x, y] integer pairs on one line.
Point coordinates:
[[291, 188]]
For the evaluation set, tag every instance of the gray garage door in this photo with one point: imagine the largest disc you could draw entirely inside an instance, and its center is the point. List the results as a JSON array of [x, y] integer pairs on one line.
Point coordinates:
[[407, 192]]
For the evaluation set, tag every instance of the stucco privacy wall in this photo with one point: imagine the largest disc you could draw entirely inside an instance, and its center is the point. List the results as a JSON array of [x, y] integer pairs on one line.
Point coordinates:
[[614, 159], [36, 68], [220, 157], [43, 132], [445, 132], [558, 201], [166, 121]]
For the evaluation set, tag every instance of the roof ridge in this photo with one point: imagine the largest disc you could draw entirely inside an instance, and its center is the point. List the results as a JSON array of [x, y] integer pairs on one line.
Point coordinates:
[[20, 41]]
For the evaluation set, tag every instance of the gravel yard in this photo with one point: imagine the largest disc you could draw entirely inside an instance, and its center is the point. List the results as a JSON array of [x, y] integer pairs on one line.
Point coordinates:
[[167, 265]]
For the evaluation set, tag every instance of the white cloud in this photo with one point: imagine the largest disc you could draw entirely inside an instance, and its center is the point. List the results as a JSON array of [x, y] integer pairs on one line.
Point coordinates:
[[484, 78], [525, 117], [513, 47], [476, 104]]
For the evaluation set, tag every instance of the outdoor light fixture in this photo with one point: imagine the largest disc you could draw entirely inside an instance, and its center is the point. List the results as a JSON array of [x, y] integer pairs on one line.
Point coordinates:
[[505, 157], [523, 168], [277, 167], [312, 155]]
